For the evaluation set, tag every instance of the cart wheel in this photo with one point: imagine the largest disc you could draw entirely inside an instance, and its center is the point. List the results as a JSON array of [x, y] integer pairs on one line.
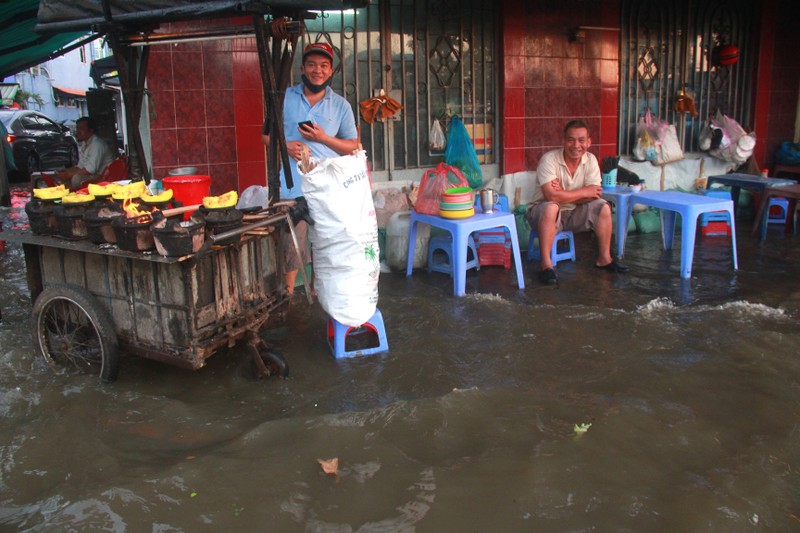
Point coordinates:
[[268, 362], [74, 334]]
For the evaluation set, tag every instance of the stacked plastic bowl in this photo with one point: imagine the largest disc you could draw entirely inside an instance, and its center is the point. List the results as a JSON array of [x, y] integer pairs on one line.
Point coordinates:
[[457, 203]]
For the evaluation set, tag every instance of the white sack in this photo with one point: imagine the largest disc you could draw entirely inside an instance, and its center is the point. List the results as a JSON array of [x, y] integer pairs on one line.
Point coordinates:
[[344, 237]]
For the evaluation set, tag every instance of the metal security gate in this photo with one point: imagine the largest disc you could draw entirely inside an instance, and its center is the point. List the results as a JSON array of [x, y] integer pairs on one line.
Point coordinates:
[[436, 57], [669, 47]]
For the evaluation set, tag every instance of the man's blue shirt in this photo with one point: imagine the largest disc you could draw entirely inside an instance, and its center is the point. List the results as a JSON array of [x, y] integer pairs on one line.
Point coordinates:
[[333, 114]]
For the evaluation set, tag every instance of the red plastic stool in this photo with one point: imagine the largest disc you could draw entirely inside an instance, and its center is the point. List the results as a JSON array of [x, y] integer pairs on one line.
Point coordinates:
[[338, 334]]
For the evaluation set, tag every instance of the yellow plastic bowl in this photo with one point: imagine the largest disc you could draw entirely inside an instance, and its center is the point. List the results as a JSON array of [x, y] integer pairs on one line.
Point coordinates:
[[455, 215]]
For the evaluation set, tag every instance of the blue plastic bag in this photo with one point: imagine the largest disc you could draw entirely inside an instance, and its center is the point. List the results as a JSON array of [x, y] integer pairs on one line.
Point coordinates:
[[788, 154], [460, 153]]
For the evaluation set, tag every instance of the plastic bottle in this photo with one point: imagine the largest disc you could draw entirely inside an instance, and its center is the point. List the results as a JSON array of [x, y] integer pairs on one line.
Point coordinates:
[[397, 242]]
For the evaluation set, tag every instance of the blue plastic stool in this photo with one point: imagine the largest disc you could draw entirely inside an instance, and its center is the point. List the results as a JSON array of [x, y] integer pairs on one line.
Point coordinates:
[[783, 204], [714, 216], [338, 332], [555, 255], [444, 243]]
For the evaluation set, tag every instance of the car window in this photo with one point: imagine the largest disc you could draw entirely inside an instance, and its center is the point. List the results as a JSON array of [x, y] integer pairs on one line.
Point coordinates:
[[29, 122], [48, 125]]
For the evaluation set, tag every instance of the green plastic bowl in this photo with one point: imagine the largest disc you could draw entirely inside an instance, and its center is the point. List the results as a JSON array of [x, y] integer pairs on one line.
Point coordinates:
[[458, 190]]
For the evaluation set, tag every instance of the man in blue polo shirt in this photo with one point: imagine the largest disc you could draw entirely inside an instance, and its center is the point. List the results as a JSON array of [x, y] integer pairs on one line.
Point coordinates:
[[329, 130]]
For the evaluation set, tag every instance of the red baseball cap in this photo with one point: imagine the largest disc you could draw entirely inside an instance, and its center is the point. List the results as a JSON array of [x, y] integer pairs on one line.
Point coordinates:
[[319, 48]]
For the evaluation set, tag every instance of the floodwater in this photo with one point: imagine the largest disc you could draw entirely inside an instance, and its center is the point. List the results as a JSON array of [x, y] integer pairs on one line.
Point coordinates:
[[692, 390]]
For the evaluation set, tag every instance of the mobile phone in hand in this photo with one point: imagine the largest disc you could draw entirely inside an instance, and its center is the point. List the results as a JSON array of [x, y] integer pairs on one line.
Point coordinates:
[[306, 123]]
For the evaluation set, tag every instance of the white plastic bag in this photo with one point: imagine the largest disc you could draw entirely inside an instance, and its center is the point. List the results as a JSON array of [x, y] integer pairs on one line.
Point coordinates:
[[737, 145], [344, 237], [253, 196], [436, 138]]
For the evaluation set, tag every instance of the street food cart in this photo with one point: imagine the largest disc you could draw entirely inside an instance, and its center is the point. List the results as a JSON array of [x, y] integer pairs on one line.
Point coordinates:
[[90, 301]]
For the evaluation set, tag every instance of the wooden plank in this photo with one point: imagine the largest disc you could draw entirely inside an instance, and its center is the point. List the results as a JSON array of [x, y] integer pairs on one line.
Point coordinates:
[[52, 266], [95, 266]]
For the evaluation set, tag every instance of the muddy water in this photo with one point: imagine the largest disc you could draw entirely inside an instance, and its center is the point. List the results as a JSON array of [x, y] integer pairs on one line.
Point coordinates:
[[692, 390]]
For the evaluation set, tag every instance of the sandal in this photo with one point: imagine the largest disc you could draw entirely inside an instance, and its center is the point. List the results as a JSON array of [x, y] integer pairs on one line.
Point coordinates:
[[548, 276], [614, 266]]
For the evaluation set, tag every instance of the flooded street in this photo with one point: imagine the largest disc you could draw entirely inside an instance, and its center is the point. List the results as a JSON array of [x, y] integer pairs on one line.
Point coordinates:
[[692, 390]]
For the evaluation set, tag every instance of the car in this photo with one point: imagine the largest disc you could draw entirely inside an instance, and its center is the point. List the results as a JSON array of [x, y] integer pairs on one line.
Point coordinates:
[[38, 142]]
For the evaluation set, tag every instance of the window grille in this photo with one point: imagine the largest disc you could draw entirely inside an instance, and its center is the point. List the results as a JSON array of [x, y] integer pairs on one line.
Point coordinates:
[[668, 47], [436, 57]]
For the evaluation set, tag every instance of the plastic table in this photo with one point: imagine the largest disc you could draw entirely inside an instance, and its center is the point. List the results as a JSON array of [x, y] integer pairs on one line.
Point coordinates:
[[737, 182], [620, 196], [690, 206], [460, 230], [792, 194]]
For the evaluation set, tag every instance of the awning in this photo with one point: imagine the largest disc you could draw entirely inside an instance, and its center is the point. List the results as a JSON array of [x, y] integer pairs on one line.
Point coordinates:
[[8, 92], [104, 71], [70, 92], [20, 46]]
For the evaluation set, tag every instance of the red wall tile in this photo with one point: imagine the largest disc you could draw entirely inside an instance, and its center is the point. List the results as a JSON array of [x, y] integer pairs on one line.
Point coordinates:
[[192, 147], [221, 145], [252, 173], [563, 80], [163, 104], [219, 108], [187, 70], [514, 105], [190, 109]]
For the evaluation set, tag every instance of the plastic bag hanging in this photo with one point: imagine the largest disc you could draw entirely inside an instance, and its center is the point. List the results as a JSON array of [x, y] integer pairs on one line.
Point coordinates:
[[460, 153], [436, 139]]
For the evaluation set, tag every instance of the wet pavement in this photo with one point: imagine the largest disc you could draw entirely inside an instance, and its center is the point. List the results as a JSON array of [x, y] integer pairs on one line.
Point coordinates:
[[692, 390]]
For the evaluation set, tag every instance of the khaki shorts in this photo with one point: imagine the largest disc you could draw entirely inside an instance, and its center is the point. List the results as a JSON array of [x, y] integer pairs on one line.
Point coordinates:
[[582, 218], [290, 260]]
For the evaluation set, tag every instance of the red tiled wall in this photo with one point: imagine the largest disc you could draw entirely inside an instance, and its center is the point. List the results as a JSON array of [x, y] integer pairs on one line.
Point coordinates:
[[548, 80], [208, 111], [778, 79]]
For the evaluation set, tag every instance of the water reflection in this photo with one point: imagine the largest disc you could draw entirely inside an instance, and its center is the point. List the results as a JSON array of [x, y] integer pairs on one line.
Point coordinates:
[[467, 423]]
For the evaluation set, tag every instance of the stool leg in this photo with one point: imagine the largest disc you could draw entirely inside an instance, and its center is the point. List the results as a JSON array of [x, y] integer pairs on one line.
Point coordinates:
[[571, 239], [531, 248], [554, 251]]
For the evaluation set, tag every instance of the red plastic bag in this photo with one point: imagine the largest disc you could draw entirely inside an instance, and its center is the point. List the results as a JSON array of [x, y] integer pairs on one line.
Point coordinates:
[[434, 182]]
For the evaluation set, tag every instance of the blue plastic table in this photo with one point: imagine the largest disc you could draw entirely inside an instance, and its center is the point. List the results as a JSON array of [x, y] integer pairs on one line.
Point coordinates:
[[747, 181], [690, 206], [460, 230], [620, 196]]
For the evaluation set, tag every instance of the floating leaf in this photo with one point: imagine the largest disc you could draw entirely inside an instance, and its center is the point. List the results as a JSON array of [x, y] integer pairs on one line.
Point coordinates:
[[582, 428], [329, 466], [193, 494]]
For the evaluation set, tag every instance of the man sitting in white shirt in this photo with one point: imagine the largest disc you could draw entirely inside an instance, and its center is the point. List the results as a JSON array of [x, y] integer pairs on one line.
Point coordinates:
[[94, 154]]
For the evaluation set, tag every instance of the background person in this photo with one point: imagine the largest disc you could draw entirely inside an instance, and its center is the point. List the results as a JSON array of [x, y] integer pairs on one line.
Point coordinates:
[[94, 154], [567, 196], [332, 133]]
